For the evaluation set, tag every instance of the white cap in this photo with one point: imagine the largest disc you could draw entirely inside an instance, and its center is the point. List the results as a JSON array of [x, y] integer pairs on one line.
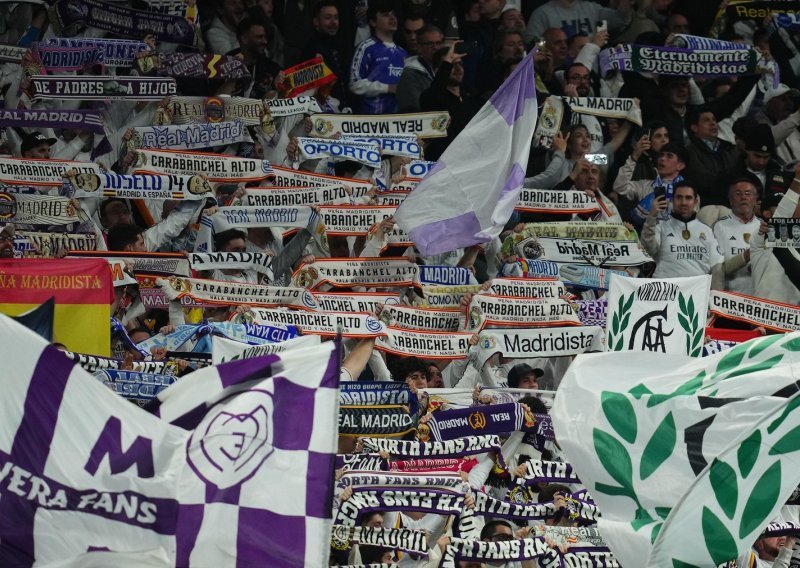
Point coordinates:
[[781, 89]]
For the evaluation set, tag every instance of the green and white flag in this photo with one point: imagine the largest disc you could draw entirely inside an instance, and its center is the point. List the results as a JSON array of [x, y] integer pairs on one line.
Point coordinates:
[[687, 458], [666, 315]]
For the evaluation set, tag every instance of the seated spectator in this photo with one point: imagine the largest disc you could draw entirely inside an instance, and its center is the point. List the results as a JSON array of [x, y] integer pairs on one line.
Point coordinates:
[[734, 232]]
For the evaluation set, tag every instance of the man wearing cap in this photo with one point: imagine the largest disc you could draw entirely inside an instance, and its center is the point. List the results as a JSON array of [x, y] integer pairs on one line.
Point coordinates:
[[36, 145], [671, 162], [759, 148], [523, 376], [734, 232], [7, 241]]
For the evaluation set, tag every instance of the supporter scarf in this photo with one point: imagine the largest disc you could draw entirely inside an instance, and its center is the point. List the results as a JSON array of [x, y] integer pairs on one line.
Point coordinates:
[[353, 221], [446, 296], [258, 261], [528, 287], [491, 419], [354, 301], [102, 88], [592, 312], [755, 311], [411, 499], [251, 112], [92, 363], [408, 540], [545, 342], [375, 393], [394, 479], [137, 387], [290, 107], [88, 120], [70, 16], [138, 186], [287, 177], [504, 311], [599, 230], [33, 244], [154, 263], [421, 319], [12, 53], [116, 52], [224, 350], [422, 125], [294, 196], [390, 199], [593, 253], [735, 10], [254, 334], [713, 346], [437, 464], [189, 136], [221, 293], [392, 145], [573, 537], [361, 462], [31, 171], [789, 21], [445, 276], [320, 323], [417, 169], [781, 529], [463, 397], [492, 552], [391, 421], [37, 209], [402, 187], [195, 337], [541, 471], [425, 344], [491, 507], [348, 272], [366, 153], [153, 297], [218, 167], [571, 274], [55, 58], [192, 66], [553, 111], [458, 448], [307, 75], [680, 61], [556, 201]]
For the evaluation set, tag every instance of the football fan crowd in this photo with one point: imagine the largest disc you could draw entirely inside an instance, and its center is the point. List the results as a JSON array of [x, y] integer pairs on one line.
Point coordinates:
[[238, 164]]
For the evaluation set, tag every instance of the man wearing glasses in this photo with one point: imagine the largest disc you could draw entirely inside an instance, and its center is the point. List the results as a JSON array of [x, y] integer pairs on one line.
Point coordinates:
[[419, 70], [733, 233]]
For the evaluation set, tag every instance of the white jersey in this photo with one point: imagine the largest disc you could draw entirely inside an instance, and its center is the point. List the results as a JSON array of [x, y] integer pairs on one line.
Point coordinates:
[[685, 249], [733, 236]]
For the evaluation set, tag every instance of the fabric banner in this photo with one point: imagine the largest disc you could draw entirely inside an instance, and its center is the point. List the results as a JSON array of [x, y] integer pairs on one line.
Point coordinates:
[[55, 58], [366, 153], [290, 107], [596, 230], [489, 419], [83, 119], [505, 311], [679, 61], [365, 501], [83, 294], [460, 447], [542, 471], [446, 296], [592, 312], [224, 350], [93, 363], [571, 274], [421, 125], [354, 301], [293, 196], [421, 319], [116, 52], [437, 464], [192, 66], [155, 263], [252, 112], [305, 76], [12, 53], [49, 173], [99, 88], [425, 344], [555, 201], [69, 17], [220, 293], [219, 168], [361, 462], [380, 272], [415, 170], [547, 342], [755, 311], [353, 221], [138, 186], [137, 387], [349, 325], [528, 287], [683, 431], [372, 393], [736, 10], [287, 177], [407, 540], [545, 553], [666, 315], [576, 508], [390, 421], [783, 233], [390, 145], [431, 275], [108, 466], [188, 136], [392, 479], [260, 262], [37, 209]]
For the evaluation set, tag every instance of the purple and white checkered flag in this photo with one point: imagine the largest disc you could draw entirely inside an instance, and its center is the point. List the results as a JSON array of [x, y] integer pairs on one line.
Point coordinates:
[[242, 477], [471, 192]]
